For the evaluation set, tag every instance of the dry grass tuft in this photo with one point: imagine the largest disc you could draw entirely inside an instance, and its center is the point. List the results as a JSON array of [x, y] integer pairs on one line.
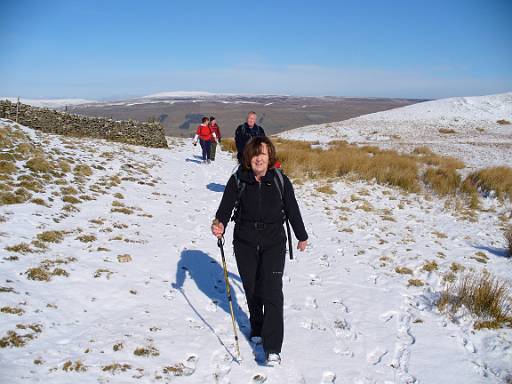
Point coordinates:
[[51, 236], [82, 170], [39, 164], [326, 189], [430, 266], [503, 122], [447, 131], [7, 167], [415, 283], [228, 145], [497, 179], [403, 270], [483, 295], [385, 167], [444, 181]]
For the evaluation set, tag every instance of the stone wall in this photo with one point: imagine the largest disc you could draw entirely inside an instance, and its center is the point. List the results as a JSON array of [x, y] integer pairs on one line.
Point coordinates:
[[51, 121]]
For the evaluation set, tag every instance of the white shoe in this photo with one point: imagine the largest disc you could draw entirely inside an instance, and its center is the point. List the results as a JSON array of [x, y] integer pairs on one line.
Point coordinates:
[[273, 359], [257, 339]]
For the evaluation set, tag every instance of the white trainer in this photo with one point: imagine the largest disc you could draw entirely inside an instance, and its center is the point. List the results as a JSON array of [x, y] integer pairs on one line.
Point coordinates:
[[273, 359]]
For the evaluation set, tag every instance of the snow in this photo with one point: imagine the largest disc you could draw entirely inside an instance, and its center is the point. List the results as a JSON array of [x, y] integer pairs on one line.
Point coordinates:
[[478, 139], [349, 317], [188, 94], [49, 103]]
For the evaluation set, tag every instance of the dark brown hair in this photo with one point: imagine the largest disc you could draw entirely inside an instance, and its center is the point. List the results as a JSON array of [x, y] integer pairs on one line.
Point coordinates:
[[253, 148], [205, 119]]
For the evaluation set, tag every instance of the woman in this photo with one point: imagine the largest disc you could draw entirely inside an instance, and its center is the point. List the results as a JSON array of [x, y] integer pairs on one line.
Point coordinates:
[[215, 129], [259, 239], [205, 136]]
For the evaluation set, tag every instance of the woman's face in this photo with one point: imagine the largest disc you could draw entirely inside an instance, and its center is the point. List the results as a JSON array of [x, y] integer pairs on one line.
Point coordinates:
[[259, 164]]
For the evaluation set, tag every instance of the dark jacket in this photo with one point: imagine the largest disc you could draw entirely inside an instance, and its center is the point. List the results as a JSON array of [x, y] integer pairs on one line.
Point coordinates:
[[243, 134], [261, 203]]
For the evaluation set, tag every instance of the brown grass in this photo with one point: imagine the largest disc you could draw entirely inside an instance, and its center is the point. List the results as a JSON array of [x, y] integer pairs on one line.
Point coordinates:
[[447, 131], [385, 167], [403, 270], [228, 145], [39, 164], [483, 295], [443, 181], [82, 170], [7, 167], [503, 122], [326, 189], [430, 266], [497, 179], [51, 236], [422, 151]]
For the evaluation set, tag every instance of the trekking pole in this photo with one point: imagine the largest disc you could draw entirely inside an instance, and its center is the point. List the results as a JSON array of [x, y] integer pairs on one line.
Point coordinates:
[[220, 243]]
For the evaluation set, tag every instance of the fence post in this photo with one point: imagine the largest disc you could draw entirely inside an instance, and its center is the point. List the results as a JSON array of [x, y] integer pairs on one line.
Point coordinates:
[[17, 109]]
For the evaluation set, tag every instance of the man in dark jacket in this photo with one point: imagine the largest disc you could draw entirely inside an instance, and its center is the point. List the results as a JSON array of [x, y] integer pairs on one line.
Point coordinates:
[[245, 132]]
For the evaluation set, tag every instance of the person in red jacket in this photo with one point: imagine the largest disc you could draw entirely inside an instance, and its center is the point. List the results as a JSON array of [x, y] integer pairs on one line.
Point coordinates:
[[205, 136], [216, 130]]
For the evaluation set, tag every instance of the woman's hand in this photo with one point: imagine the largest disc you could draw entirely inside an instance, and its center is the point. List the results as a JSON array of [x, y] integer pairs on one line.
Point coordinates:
[[217, 229], [302, 245]]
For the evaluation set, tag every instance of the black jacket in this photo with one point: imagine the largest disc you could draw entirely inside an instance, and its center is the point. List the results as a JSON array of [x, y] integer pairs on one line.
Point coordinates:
[[261, 203], [243, 134]]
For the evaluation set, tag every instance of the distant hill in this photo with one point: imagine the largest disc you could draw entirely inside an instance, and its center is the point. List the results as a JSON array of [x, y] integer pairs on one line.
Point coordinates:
[[181, 112]]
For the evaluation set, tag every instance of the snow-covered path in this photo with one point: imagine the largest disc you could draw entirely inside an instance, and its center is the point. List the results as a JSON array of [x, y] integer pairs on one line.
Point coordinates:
[[151, 282]]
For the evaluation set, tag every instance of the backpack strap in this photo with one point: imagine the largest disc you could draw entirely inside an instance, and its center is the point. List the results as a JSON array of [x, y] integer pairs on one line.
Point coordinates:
[[279, 181], [237, 212]]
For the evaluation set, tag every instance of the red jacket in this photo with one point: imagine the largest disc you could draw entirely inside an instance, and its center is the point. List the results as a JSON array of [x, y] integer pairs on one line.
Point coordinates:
[[215, 129], [204, 132]]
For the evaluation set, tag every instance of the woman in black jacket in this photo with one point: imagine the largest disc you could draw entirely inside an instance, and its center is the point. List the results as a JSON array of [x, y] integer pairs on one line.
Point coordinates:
[[259, 239]]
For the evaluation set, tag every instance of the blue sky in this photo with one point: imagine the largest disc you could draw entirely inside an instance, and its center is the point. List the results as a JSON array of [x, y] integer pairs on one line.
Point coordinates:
[[115, 49]]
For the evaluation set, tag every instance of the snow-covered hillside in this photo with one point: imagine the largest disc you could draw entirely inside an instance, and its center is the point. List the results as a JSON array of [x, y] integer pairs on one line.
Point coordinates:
[[135, 290], [49, 103], [465, 127]]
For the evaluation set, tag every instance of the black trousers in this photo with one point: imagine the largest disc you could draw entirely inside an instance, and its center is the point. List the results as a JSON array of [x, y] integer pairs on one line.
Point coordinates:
[[261, 271]]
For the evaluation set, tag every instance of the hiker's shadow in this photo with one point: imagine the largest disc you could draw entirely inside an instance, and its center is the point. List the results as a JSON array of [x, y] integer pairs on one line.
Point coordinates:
[[208, 275], [188, 160], [215, 187]]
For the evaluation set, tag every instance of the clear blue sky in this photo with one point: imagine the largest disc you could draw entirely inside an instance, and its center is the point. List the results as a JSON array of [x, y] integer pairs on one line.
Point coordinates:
[[113, 49]]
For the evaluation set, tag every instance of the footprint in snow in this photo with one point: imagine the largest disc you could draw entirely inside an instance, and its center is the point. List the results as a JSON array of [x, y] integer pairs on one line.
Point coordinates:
[[259, 378], [328, 377], [194, 324], [386, 316], [468, 345], [311, 302], [374, 357], [340, 304], [314, 279], [221, 366]]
